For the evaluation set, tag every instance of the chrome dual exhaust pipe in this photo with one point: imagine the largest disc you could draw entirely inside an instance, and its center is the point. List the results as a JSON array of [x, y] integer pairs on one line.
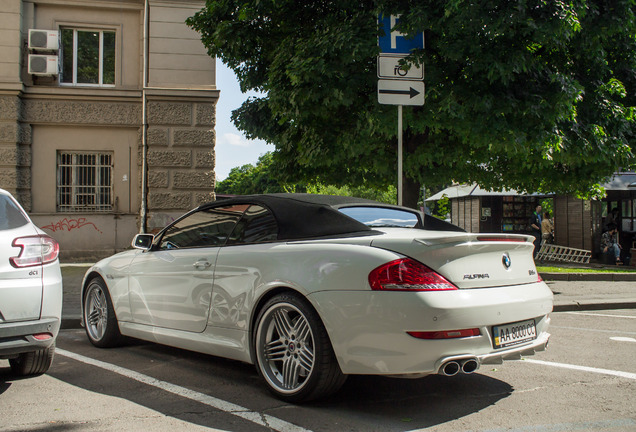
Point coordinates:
[[469, 366], [452, 368]]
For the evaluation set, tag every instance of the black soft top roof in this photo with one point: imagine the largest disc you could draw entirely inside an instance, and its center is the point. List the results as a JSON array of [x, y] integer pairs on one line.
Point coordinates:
[[302, 216]]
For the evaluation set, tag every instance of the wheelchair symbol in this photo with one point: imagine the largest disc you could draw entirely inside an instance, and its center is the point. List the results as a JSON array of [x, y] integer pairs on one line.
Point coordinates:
[[399, 71]]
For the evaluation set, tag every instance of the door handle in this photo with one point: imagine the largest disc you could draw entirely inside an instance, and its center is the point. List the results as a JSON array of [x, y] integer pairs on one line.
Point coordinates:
[[200, 265]]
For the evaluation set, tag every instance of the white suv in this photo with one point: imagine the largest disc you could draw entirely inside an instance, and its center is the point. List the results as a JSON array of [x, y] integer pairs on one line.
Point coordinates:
[[30, 291]]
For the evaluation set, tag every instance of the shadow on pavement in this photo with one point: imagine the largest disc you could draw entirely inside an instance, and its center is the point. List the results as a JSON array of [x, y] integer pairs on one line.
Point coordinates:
[[404, 404], [364, 403]]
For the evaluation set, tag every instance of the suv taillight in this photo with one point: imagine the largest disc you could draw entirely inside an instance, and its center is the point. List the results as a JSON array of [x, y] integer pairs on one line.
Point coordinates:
[[407, 274], [35, 250]]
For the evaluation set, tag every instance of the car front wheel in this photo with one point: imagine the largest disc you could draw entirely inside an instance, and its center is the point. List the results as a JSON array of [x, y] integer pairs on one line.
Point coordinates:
[[100, 321], [293, 351]]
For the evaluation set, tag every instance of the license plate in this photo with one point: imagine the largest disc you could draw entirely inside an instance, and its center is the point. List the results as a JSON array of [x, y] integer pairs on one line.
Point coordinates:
[[512, 334]]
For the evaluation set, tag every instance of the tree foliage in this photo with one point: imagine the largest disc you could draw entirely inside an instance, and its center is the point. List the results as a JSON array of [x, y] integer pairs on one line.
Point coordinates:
[[530, 95], [386, 195], [442, 207], [253, 179], [263, 178]]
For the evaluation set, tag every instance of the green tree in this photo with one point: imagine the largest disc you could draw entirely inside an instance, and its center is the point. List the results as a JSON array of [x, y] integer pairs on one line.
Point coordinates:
[[547, 206], [529, 95], [387, 195], [253, 179], [442, 208], [263, 178]]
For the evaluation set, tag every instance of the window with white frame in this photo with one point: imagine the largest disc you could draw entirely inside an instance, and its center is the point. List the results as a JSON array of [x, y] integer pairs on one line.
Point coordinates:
[[84, 181], [88, 57]]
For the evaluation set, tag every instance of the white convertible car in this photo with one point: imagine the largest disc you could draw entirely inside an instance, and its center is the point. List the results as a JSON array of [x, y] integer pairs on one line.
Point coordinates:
[[312, 288]]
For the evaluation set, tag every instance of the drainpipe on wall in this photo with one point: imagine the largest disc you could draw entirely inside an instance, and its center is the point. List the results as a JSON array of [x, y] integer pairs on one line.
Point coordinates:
[[143, 213]]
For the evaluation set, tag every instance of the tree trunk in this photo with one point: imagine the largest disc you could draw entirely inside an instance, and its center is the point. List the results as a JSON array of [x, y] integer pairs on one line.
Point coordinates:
[[411, 188], [410, 193]]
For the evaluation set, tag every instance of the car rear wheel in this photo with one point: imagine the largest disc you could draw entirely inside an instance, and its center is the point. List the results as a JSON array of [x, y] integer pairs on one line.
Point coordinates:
[[293, 351], [99, 316], [33, 363]]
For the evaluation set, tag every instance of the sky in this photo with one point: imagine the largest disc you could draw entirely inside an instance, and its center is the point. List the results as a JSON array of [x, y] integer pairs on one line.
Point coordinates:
[[232, 148]]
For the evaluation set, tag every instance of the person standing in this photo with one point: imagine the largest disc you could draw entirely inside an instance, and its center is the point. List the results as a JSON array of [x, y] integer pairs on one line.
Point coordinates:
[[535, 228], [547, 229]]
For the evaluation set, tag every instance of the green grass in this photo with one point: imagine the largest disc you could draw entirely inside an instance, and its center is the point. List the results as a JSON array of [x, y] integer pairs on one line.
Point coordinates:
[[546, 269]]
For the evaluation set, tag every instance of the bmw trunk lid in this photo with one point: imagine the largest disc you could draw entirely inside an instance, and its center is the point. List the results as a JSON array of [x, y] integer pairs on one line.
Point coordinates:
[[468, 260]]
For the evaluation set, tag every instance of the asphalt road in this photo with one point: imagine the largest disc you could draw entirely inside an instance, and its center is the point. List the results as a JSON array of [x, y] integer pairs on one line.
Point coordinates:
[[586, 380]]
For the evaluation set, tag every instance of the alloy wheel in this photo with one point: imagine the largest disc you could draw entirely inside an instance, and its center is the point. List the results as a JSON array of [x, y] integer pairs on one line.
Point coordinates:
[[96, 310], [285, 347]]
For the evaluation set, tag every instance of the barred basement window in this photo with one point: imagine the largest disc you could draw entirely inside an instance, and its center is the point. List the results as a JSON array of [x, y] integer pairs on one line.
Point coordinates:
[[84, 182]]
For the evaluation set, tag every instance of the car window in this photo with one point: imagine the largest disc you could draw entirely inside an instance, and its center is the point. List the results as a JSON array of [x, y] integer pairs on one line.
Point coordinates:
[[256, 226], [204, 228], [382, 216], [10, 214]]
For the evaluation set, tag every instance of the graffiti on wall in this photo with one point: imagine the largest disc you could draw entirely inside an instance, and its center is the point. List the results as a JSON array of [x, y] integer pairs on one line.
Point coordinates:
[[69, 225]]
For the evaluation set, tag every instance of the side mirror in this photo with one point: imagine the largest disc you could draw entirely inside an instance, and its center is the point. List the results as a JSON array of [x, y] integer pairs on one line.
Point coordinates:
[[143, 241]]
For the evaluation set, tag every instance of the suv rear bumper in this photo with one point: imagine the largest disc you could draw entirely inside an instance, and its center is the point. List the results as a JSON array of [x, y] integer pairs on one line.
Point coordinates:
[[17, 337]]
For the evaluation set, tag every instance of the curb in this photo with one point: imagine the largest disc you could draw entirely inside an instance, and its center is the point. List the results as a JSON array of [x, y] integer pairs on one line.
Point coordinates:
[[590, 277], [578, 307]]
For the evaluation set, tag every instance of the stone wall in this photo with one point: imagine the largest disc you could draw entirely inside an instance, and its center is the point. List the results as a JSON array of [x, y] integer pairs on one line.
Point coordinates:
[[15, 150], [180, 155], [95, 112]]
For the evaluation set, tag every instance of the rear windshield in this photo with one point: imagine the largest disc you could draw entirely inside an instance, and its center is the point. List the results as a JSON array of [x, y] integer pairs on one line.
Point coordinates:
[[382, 216], [10, 214]]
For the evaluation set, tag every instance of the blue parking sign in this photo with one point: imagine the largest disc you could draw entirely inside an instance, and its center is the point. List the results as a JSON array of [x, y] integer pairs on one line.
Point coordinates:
[[394, 42]]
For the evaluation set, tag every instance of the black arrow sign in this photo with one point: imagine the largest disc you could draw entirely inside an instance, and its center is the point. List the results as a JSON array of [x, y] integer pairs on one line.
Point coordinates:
[[411, 92]]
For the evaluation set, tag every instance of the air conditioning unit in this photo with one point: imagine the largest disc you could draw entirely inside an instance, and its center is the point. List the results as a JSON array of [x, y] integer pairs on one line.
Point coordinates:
[[43, 64], [44, 40]]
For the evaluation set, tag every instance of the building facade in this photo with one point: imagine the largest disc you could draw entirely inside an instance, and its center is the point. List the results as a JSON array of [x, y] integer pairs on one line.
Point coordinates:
[[107, 114]]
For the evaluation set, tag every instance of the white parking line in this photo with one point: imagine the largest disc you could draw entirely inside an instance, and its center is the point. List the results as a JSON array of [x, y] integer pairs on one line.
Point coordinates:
[[601, 315], [623, 339], [620, 374], [228, 407]]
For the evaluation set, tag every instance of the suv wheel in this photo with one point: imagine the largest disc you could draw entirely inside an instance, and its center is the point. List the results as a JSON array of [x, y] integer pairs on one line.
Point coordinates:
[[33, 363]]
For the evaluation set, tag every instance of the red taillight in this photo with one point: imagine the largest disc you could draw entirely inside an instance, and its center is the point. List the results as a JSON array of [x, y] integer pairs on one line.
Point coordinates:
[[407, 275], [35, 250], [445, 334], [42, 336]]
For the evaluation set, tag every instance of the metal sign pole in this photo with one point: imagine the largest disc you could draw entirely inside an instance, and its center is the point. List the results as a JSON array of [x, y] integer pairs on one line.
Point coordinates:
[[397, 86], [399, 132]]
